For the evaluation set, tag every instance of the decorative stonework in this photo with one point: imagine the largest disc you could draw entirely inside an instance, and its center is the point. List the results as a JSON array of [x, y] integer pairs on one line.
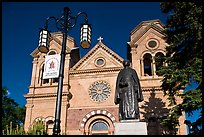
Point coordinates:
[[100, 62], [154, 24], [96, 112], [99, 91], [152, 44], [95, 71], [48, 118], [92, 51], [151, 89]]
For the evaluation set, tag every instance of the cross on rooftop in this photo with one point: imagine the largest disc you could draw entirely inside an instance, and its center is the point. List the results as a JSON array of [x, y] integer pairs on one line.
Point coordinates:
[[100, 39]]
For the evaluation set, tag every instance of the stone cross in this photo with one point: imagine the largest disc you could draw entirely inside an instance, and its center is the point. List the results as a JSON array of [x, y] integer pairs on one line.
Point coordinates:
[[100, 39]]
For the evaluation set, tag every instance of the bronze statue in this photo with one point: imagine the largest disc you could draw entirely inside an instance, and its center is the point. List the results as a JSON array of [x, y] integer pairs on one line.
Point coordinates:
[[128, 93]]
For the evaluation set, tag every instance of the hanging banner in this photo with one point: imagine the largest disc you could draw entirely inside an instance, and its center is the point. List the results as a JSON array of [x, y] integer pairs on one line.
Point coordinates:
[[51, 67]]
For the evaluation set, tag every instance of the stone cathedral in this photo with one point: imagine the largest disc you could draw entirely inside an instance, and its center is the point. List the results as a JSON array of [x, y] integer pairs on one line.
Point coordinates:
[[89, 85]]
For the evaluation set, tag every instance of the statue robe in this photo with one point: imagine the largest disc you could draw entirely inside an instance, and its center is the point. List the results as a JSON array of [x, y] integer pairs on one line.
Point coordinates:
[[128, 93]]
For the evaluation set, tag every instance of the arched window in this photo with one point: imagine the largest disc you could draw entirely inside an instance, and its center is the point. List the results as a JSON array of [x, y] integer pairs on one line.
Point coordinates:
[[147, 58], [51, 53], [99, 127], [49, 127], [159, 61], [43, 81]]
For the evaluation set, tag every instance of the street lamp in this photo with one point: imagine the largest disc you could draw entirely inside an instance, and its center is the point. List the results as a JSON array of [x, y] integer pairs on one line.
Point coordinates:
[[63, 24]]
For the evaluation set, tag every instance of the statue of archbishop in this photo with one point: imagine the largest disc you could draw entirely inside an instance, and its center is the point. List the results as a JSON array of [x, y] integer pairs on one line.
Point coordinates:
[[128, 93]]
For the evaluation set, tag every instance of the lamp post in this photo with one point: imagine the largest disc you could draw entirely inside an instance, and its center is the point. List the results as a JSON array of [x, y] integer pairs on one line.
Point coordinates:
[[63, 24]]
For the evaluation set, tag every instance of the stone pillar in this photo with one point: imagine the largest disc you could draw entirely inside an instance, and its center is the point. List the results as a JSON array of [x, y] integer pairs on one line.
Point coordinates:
[[34, 71], [66, 69], [153, 67], [64, 115], [135, 61], [142, 67], [28, 117]]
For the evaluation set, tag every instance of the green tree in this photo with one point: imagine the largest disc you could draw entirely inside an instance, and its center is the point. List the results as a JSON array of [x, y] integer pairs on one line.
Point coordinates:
[[183, 58], [11, 111]]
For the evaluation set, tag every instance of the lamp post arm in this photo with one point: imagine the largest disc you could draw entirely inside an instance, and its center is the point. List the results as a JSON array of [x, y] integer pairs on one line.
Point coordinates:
[[57, 20], [61, 21], [86, 16], [75, 19], [46, 22]]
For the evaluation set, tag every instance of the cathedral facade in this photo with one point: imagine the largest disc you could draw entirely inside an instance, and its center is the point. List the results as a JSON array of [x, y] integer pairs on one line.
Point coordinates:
[[89, 85]]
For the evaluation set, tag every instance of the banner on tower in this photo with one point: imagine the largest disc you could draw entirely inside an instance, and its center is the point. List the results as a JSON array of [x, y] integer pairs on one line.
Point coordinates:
[[52, 66]]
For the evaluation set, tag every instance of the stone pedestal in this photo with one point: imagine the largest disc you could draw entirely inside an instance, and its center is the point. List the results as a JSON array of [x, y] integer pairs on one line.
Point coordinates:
[[131, 127]]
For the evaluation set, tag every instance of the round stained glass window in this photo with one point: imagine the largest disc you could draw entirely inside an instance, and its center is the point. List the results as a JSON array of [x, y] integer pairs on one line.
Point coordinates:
[[100, 62], [99, 91], [152, 44]]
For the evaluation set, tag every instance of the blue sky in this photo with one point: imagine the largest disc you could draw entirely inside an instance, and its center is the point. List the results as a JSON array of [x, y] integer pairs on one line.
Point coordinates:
[[20, 32]]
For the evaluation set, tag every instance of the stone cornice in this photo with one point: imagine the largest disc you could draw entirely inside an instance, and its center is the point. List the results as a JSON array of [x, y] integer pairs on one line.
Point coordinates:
[[47, 85], [146, 23], [143, 78], [149, 89], [145, 89], [153, 26], [43, 95], [73, 72]]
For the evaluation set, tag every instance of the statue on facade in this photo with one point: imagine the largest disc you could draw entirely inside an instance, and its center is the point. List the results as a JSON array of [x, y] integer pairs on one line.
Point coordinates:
[[128, 93]]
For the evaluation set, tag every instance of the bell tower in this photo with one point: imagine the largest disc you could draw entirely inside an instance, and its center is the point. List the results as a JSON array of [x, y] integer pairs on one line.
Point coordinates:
[[41, 98], [146, 44]]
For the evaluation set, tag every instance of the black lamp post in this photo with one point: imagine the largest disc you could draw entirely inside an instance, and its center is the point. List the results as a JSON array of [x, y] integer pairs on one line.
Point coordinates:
[[63, 24]]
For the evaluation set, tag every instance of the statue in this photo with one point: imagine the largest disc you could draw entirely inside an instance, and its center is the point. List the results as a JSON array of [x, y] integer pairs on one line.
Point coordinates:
[[128, 93]]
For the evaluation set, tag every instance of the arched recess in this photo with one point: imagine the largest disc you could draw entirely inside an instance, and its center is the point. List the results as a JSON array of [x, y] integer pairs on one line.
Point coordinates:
[[159, 61], [48, 122], [147, 64], [38, 119], [101, 118], [52, 52], [42, 81], [49, 125]]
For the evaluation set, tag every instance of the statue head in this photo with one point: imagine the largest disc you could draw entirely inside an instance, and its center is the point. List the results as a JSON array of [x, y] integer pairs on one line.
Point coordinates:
[[126, 63]]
